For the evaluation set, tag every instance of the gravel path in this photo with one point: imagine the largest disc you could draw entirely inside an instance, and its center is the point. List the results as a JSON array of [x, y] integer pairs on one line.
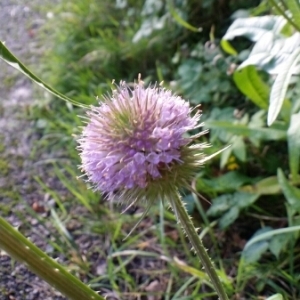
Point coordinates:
[[19, 27]]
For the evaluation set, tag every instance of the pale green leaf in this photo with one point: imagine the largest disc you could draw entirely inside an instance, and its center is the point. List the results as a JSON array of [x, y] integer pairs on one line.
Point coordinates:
[[255, 27], [280, 86], [270, 233]]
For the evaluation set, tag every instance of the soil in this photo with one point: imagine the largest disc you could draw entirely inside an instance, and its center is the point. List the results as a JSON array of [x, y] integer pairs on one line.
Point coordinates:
[[20, 22]]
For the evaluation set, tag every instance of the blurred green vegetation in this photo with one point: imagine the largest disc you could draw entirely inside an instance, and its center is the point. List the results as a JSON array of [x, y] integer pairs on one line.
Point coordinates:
[[90, 43]]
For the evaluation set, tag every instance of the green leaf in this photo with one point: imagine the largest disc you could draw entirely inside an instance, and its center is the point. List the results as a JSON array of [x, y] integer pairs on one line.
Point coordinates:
[[229, 217], [230, 181], [280, 86], [249, 82], [293, 135], [266, 134], [263, 236], [254, 251], [231, 204], [9, 58], [228, 48], [219, 205]]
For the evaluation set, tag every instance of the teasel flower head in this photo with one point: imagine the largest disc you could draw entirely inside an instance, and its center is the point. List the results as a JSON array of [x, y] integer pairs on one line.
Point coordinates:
[[136, 144]]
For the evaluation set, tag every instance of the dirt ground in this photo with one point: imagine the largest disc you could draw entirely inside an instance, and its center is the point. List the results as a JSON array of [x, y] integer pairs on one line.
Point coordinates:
[[19, 29]]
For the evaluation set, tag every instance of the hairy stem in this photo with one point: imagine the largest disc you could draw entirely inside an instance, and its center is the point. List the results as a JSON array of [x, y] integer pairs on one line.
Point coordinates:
[[187, 225], [20, 248]]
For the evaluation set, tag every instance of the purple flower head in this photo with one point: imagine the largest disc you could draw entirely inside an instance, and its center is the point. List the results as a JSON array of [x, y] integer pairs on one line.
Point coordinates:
[[135, 144]]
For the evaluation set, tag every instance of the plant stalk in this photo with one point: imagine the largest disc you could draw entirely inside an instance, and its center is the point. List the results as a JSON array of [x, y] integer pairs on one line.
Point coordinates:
[[21, 249], [187, 225]]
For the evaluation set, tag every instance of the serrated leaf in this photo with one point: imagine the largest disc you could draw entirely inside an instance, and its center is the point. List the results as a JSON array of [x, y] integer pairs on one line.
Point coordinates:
[[280, 86], [266, 134], [249, 82], [293, 136], [10, 59]]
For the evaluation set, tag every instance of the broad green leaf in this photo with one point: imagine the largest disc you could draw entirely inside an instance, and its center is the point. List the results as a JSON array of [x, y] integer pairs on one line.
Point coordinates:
[[220, 205], [254, 251], [294, 8], [293, 136], [266, 134], [249, 82], [291, 193], [243, 199], [9, 58], [238, 200], [280, 86], [229, 217]]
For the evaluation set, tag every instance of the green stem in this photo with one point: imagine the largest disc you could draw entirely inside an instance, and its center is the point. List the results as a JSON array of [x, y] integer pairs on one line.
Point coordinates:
[[282, 12], [196, 242], [20, 248]]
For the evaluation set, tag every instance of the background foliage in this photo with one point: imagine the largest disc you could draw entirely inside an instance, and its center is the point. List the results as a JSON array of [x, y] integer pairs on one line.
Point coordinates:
[[212, 53]]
